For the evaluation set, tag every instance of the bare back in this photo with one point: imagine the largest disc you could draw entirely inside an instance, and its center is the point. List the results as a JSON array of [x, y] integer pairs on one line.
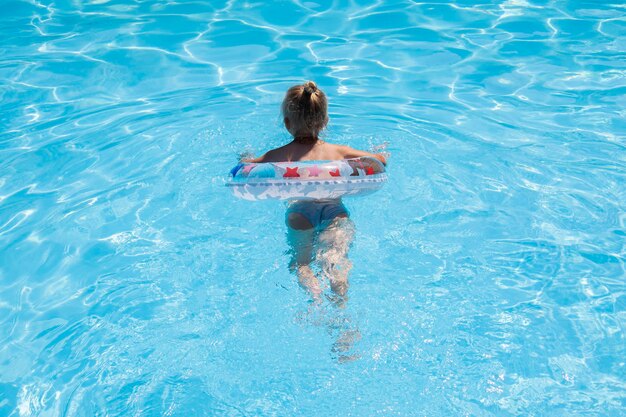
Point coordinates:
[[317, 151]]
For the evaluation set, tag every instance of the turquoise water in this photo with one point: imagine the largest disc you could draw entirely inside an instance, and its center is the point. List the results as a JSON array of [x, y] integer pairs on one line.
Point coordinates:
[[488, 275]]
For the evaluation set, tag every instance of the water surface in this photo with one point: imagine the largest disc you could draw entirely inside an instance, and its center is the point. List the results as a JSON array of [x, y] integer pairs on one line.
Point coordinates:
[[488, 275]]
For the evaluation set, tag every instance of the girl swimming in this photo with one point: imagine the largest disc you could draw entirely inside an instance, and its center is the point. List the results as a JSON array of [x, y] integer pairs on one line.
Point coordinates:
[[321, 224]]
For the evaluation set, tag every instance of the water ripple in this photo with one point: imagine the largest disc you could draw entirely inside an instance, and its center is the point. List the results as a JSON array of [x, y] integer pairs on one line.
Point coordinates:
[[488, 274]]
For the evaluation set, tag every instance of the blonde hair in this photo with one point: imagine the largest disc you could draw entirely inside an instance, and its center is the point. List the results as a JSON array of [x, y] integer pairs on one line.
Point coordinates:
[[306, 107]]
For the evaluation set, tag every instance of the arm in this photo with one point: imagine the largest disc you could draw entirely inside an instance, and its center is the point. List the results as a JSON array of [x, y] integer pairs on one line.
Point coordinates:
[[275, 155], [348, 152]]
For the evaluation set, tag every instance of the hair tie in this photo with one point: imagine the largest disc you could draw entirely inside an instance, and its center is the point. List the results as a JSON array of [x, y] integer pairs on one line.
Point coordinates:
[[310, 88]]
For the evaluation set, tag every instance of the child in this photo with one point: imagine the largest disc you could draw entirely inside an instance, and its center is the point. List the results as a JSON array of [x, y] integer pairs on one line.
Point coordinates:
[[305, 112]]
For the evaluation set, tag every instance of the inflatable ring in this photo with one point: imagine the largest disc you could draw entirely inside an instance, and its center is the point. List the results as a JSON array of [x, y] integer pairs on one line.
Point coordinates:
[[314, 180]]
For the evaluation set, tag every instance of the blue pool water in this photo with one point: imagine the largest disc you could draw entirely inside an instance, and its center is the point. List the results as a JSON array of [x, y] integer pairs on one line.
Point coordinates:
[[488, 275]]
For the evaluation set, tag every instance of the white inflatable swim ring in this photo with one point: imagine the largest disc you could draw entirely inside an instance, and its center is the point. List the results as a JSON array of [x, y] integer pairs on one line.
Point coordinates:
[[315, 180]]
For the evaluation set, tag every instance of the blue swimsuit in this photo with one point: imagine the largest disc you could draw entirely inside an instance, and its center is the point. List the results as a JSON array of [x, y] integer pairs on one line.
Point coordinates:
[[318, 211]]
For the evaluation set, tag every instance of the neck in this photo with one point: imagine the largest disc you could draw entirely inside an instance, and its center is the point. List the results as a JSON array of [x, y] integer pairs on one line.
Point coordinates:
[[305, 140]]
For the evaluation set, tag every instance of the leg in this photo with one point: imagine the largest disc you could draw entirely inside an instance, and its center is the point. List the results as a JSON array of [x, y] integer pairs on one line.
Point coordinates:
[[333, 246], [300, 234], [344, 343]]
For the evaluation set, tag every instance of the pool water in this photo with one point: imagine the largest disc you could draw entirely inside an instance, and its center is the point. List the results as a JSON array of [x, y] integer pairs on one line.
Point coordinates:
[[488, 274]]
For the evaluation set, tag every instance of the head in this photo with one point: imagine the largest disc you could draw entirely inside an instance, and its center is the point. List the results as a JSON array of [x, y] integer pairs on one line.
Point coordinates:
[[305, 110]]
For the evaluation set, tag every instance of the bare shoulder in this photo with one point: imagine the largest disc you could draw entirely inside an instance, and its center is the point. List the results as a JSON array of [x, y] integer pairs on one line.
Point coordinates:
[[337, 150], [272, 155], [284, 153], [349, 152], [344, 150]]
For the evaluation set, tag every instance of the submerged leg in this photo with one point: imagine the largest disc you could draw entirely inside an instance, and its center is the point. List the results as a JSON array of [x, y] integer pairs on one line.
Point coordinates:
[[333, 245], [346, 342], [300, 235]]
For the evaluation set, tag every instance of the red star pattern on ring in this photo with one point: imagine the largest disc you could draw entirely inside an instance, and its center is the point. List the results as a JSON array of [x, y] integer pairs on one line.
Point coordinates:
[[291, 172]]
